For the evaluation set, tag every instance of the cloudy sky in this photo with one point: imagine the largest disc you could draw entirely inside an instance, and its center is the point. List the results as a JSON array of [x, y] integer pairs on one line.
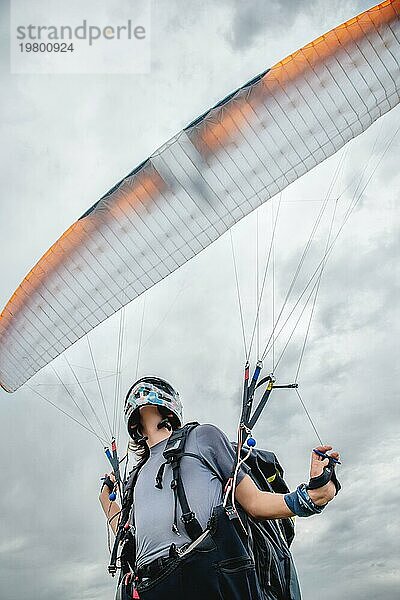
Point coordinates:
[[66, 139]]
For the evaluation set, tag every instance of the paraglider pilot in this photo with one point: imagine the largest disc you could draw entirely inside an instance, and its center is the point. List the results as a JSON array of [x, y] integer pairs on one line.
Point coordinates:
[[178, 535]]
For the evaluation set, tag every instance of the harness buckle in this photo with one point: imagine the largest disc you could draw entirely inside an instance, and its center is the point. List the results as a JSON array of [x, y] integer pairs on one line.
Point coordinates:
[[188, 517], [231, 513]]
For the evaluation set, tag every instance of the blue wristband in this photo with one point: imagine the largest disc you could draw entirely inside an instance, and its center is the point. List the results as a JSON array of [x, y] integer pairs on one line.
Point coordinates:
[[300, 503]]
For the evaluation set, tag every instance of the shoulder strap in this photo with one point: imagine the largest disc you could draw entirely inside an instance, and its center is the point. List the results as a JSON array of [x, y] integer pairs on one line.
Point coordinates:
[[127, 501], [177, 440], [174, 449], [173, 453]]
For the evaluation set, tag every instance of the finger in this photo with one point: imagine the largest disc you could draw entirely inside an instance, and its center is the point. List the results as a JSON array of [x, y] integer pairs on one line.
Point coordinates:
[[335, 456], [324, 448], [317, 454]]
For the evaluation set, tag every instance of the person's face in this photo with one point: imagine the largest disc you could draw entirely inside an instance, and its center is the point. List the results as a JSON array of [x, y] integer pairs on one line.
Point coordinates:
[[148, 414]]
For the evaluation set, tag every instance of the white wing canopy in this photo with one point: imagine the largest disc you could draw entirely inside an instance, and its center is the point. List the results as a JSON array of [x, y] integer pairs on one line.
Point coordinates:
[[226, 163]]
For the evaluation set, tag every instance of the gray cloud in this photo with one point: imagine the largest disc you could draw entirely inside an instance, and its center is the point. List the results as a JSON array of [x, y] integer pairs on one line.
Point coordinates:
[[256, 18]]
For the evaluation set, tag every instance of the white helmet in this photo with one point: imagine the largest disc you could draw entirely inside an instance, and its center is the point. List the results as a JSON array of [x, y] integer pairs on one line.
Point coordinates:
[[152, 391]]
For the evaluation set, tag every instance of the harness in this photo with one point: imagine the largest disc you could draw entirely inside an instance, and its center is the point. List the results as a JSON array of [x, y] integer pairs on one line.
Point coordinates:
[[268, 541], [125, 537], [173, 454]]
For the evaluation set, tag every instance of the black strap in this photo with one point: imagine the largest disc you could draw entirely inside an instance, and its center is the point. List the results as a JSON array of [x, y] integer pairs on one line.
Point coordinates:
[[328, 474], [125, 512], [261, 405], [174, 487], [160, 472], [160, 475], [107, 482], [173, 453], [191, 524]]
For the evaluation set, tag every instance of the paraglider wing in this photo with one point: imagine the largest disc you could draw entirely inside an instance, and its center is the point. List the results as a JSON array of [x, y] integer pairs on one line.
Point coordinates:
[[226, 163]]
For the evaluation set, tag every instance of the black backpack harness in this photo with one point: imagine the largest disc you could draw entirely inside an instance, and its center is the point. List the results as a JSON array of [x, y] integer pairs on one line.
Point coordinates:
[[266, 472], [173, 454]]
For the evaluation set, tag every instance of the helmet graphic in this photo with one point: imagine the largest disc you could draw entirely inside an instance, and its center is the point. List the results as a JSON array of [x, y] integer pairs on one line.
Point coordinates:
[[156, 392]]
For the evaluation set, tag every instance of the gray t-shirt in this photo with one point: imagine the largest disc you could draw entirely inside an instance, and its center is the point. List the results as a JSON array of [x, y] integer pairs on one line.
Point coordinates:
[[154, 508]]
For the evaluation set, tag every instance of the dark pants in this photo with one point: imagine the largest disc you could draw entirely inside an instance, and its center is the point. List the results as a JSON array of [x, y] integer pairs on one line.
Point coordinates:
[[218, 569]]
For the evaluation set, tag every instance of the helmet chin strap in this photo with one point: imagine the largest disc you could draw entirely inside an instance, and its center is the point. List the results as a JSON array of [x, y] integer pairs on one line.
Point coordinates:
[[165, 423]]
